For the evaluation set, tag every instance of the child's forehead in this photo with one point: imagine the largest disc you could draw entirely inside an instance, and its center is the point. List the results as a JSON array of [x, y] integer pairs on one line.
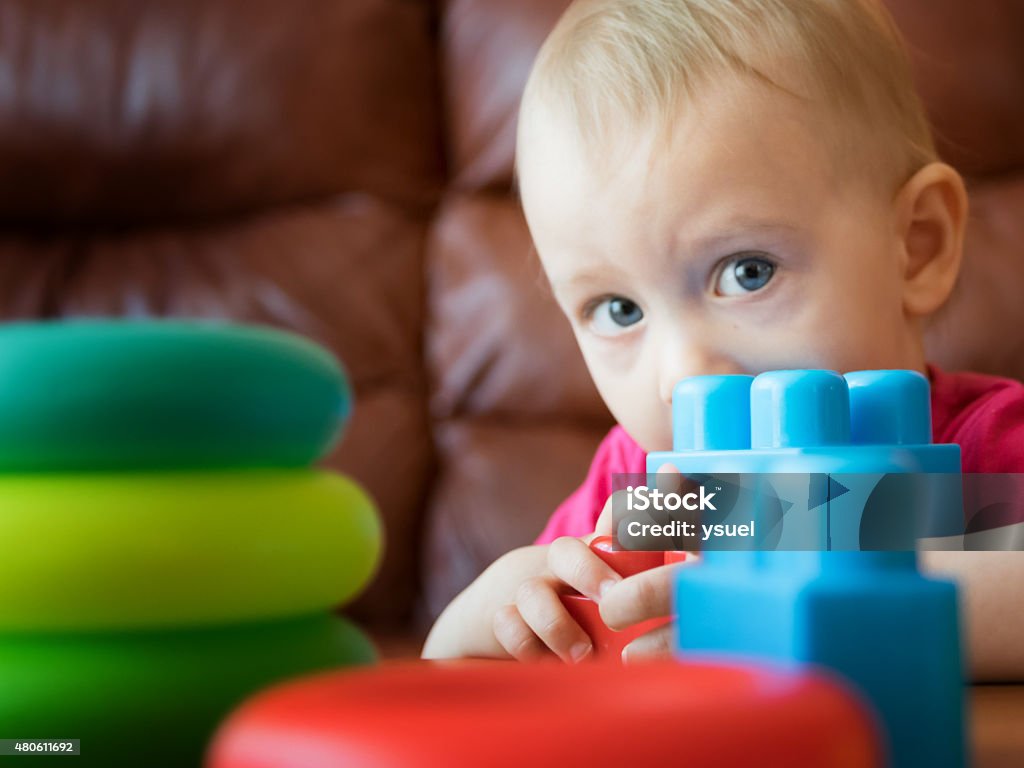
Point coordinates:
[[730, 137]]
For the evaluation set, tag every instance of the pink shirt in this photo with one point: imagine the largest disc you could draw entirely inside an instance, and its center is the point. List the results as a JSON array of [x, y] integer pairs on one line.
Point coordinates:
[[983, 414]]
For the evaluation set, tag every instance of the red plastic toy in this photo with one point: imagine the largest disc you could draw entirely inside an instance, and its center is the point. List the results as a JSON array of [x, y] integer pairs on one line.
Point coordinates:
[[608, 643], [502, 714]]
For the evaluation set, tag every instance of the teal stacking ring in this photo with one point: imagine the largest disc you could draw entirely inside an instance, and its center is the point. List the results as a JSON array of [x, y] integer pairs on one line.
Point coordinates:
[[97, 395]]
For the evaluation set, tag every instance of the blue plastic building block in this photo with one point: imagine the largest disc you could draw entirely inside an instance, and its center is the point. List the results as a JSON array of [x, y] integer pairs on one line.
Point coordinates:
[[868, 615]]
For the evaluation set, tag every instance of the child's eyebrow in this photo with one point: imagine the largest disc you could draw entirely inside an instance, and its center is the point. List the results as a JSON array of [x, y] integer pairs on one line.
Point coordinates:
[[578, 279], [743, 227], [593, 276]]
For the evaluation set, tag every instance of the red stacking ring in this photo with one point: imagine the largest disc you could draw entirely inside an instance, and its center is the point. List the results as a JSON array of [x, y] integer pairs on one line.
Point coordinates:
[[475, 713]]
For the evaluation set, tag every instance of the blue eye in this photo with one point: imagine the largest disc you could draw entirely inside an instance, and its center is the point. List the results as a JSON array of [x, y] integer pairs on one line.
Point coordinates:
[[744, 275], [614, 315]]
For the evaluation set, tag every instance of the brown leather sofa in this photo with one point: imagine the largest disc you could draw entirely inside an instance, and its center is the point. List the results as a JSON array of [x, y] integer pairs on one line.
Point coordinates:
[[343, 168]]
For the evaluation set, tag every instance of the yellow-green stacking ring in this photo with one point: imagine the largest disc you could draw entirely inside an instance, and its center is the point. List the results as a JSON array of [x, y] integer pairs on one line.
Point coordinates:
[[162, 549], [88, 395]]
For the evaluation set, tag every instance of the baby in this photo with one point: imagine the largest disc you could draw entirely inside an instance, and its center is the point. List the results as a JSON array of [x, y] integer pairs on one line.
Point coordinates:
[[732, 186]]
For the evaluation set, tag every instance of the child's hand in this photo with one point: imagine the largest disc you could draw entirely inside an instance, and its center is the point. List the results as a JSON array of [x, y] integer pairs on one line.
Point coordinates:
[[513, 608], [647, 595], [537, 624]]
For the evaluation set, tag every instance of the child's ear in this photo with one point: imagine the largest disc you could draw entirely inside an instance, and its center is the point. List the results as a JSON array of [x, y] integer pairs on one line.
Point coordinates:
[[931, 213]]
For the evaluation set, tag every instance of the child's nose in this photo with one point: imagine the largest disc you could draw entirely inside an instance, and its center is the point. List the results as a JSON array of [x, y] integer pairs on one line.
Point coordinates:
[[679, 362]]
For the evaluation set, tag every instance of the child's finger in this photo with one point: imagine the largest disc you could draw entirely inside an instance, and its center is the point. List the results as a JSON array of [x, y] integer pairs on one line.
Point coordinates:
[[605, 522], [542, 610], [572, 561], [646, 595], [516, 637], [668, 479], [654, 645]]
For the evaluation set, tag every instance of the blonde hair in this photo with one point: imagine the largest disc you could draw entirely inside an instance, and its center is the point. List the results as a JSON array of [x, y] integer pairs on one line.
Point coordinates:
[[641, 59]]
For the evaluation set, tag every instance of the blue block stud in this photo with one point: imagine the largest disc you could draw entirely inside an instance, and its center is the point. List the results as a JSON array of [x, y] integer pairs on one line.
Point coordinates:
[[890, 408], [869, 616], [711, 413], [799, 409]]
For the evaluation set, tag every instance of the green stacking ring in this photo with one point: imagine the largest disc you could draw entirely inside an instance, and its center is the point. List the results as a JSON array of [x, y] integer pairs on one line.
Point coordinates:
[[88, 395], [165, 549], [155, 698]]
